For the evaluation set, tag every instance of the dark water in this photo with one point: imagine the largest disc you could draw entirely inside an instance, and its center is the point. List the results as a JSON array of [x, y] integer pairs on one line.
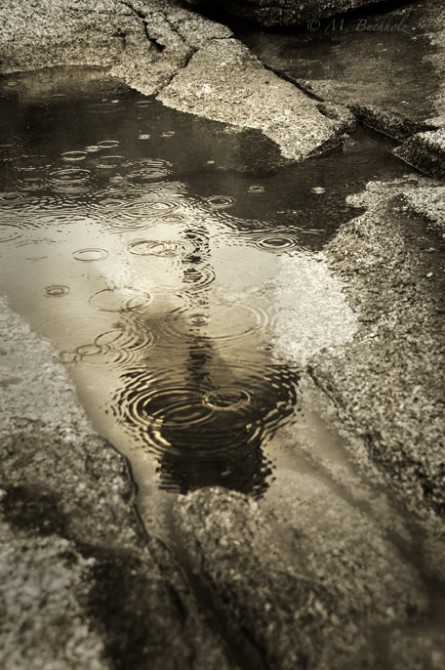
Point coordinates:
[[176, 264]]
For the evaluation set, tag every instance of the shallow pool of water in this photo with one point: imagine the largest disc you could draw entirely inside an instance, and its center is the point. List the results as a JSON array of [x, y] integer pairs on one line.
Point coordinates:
[[177, 264]]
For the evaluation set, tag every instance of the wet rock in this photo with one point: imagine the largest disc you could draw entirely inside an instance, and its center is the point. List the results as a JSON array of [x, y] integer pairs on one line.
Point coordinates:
[[81, 584], [43, 589], [225, 82], [387, 385], [426, 151], [428, 201], [286, 12], [159, 47], [303, 575], [415, 650], [366, 63]]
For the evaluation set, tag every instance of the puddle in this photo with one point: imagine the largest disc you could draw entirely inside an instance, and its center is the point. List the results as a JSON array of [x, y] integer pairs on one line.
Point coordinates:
[[178, 268]]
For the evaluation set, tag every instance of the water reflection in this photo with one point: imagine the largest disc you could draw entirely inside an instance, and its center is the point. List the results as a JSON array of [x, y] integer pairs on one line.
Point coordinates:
[[163, 238]]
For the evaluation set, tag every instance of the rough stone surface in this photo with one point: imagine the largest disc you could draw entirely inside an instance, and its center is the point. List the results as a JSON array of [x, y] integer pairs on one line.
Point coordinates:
[[159, 47], [287, 12], [426, 151], [415, 650], [43, 588], [227, 83], [389, 382], [365, 62], [428, 201], [304, 575], [74, 561]]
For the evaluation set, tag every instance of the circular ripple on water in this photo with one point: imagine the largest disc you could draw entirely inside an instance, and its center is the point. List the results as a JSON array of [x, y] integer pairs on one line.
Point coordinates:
[[123, 345], [226, 399], [130, 216], [256, 188], [220, 201], [120, 300], [30, 182], [31, 163], [66, 180], [150, 171], [277, 243], [89, 255], [10, 232], [198, 278], [109, 162], [225, 410], [108, 144], [223, 322], [143, 103], [56, 291], [354, 158], [92, 149], [162, 248], [74, 156], [12, 199], [104, 108]]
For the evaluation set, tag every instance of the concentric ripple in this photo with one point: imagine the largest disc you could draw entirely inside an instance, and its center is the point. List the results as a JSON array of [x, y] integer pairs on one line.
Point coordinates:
[[109, 162], [123, 345], [120, 299], [56, 291], [354, 158], [210, 430], [74, 156], [162, 248], [89, 255], [10, 232], [150, 170], [220, 201], [92, 148], [66, 180], [277, 243], [226, 399], [31, 163], [222, 321], [108, 144], [198, 278], [12, 199]]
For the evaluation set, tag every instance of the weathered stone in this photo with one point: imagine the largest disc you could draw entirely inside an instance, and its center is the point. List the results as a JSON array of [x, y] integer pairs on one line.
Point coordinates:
[[428, 201], [286, 12], [303, 574], [417, 650], [389, 382], [426, 151], [159, 47], [365, 62], [225, 82], [79, 576]]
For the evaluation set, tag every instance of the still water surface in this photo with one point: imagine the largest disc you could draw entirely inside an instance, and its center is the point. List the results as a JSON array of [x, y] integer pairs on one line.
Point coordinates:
[[177, 265]]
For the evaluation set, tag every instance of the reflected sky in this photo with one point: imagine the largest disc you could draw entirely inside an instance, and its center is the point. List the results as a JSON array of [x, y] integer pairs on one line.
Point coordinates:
[[177, 265]]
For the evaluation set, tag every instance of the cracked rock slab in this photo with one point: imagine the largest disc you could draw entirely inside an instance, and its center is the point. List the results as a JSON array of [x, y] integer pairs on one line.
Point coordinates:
[[426, 151], [225, 82], [304, 575], [428, 201], [388, 384], [161, 48], [81, 585]]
